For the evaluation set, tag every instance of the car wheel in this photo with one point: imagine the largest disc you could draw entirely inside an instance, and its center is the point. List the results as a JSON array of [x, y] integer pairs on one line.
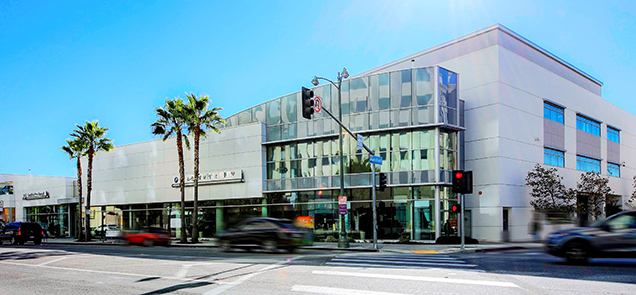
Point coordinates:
[[14, 241], [576, 252], [148, 243], [270, 246], [225, 245]]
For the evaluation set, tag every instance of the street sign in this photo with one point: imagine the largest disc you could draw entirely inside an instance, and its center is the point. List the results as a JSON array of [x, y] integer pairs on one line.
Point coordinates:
[[342, 205], [317, 104], [360, 139], [376, 160]]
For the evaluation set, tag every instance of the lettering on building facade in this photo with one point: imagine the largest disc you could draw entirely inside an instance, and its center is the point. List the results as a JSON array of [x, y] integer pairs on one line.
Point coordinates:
[[36, 196], [210, 178]]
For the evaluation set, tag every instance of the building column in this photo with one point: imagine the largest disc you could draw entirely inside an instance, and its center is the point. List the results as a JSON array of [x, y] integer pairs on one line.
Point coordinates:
[[220, 226], [438, 213]]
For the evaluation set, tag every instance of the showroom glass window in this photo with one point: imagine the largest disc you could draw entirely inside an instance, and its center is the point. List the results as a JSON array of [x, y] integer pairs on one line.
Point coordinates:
[[553, 112], [588, 164], [613, 134], [613, 170], [553, 157], [588, 125]]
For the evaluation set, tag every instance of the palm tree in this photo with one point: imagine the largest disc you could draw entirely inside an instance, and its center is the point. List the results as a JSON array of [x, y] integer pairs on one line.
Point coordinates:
[[199, 119], [76, 149], [170, 121], [93, 137]]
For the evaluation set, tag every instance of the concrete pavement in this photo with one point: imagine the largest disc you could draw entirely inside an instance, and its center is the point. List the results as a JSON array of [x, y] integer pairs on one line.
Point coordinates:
[[359, 247]]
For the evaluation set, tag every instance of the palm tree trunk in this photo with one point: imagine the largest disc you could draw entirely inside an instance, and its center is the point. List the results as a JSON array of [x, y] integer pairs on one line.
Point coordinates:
[[89, 173], [195, 213], [79, 188], [184, 237]]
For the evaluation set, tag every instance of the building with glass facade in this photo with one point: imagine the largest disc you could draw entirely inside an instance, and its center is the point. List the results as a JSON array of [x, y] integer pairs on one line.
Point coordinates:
[[490, 102]]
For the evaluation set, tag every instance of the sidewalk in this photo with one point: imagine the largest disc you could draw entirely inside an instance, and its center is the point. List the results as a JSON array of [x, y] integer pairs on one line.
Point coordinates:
[[354, 247]]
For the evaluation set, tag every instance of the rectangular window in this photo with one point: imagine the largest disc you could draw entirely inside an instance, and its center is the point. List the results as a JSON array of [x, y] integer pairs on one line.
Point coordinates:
[[588, 164], [613, 134], [553, 157], [553, 112], [613, 170], [588, 125]]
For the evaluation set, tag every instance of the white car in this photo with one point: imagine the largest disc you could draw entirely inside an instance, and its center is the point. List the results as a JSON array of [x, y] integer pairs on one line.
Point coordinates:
[[109, 231]]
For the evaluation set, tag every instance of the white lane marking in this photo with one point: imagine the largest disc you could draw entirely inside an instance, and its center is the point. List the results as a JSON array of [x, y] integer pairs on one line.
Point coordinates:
[[337, 291], [392, 266], [107, 272], [414, 278], [183, 271], [227, 286], [54, 260]]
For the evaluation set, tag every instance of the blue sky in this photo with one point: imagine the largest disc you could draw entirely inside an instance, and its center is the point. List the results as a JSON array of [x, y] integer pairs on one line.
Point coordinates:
[[65, 62]]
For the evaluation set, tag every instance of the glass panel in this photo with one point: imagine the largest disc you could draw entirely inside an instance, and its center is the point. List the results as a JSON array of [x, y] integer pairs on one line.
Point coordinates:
[[452, 90], [385, 119], [245, 117], [395, 161], [289, 108], [613, 134], [613, 170], [424, 87], [396, 89], [384, 142], [405, 161], [289, 131], [406, 89], [588, 164], [423, 115], [273, 112], [359, 94], [554, 157], [588, 125], [345, 98], [273, 133], [383, 92], [552, 112], [400, 117], [424, 159], [335, 108], [373, 93]]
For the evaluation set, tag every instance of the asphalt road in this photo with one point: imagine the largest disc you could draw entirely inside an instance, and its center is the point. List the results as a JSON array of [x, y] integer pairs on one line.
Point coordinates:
[[71, 269]]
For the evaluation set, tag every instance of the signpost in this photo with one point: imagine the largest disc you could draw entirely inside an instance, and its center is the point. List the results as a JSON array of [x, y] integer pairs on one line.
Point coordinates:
[[376, 160]]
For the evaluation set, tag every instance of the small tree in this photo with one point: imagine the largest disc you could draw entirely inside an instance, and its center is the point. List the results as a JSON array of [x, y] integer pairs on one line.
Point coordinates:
[[548, 193], [631, 203], [596, 188]]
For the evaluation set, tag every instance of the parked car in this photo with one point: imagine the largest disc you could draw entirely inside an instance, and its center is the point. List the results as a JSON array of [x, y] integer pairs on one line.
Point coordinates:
[[148, 236], [614, 236], [22, 232], [270, 234], [108, 230]]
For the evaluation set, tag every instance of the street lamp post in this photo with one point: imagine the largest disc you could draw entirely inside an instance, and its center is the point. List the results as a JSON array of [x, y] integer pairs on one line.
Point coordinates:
[[342, 240]]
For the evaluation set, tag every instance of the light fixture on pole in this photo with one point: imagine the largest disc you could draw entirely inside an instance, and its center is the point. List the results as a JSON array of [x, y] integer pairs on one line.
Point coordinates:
[[342, 240]]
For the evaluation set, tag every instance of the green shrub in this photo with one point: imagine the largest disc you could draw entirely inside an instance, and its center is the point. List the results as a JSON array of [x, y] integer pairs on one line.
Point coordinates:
[[330, 239]]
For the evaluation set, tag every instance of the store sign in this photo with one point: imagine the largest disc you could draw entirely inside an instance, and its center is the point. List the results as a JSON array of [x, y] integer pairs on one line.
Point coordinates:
[[36, 196], [227, 176]]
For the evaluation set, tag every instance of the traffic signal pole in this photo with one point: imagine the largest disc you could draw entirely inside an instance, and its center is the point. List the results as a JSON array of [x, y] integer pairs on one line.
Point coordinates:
[[462, 198]]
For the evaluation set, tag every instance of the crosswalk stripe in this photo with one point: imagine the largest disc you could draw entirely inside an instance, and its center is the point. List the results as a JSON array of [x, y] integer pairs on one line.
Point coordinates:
[[412, 257], [402, 259], [401, 263], [418, 278], [337, 291]]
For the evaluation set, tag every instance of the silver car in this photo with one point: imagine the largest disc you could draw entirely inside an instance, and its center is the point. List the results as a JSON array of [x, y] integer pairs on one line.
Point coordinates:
[[614, 236]]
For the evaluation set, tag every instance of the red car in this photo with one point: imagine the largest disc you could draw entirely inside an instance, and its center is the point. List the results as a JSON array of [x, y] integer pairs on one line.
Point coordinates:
[[148, 236]]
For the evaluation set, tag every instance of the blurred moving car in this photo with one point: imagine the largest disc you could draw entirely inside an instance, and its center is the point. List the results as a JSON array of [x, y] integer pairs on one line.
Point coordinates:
[[21, 232], [148, 236], [614, 236], [270, 234], [107, 230]]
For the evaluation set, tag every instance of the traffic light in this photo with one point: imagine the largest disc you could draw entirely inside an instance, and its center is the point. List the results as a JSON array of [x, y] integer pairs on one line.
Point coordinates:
[[382, 183], [308, 102], [457, 208], [462, 182]]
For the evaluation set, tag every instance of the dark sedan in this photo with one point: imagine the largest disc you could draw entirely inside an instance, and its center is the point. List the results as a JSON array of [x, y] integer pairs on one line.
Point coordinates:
[[614, 236], [270, 234]]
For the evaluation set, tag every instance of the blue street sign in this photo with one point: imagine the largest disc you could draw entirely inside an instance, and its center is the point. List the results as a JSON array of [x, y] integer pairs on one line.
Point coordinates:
[[360, 139], [376, 160]]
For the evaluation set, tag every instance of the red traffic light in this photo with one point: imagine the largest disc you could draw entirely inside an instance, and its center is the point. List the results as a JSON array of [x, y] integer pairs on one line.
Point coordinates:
[[456, 208], [459, 175]]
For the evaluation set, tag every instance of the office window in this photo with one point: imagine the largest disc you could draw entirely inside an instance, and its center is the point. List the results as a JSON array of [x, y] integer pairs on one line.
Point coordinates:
[[554, 157], [613, 170], [553, 112], [613, 134], [588, 164], [588, 125]]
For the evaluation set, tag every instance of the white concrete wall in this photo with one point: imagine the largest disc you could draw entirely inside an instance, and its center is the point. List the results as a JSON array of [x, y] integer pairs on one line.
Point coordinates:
[[144, 172], [57, 187]]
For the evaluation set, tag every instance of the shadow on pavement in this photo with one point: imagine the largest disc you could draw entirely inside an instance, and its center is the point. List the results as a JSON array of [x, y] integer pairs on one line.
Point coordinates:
[[14, 255], [178, 287]]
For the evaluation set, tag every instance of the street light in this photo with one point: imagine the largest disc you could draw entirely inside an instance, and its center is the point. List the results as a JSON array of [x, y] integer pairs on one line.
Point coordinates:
[[342, 241]]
